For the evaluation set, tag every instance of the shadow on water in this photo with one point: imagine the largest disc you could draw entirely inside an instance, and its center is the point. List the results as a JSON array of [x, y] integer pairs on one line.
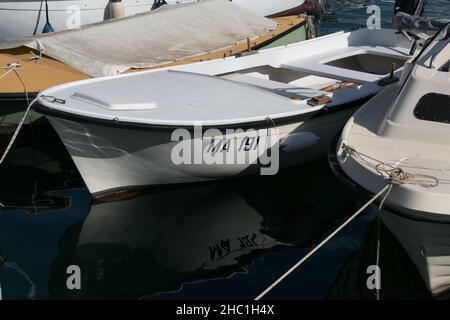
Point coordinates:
[[227, 239]]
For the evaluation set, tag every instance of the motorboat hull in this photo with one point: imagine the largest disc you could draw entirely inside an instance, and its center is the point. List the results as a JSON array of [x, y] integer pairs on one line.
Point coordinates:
[[366, 193], [113, 160]]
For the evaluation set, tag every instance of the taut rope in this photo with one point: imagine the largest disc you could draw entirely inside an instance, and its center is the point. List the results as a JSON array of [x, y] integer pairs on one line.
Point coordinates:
[[394, 176]]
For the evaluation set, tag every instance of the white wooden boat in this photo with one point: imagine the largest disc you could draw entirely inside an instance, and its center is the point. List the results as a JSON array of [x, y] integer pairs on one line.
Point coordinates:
[[47, 60], [118, 130], [401, 138]]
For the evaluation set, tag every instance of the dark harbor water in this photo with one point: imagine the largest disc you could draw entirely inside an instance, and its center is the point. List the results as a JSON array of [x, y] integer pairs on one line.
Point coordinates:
[[221, 240]]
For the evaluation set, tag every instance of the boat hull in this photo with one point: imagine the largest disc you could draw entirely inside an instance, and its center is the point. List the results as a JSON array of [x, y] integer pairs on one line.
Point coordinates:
[[13, 105], [25, 18], [388, 204], [427, 244], [114, 159]]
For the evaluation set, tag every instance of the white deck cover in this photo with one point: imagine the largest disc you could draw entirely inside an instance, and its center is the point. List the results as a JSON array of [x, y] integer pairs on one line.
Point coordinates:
[[167, 34], [172, 98]]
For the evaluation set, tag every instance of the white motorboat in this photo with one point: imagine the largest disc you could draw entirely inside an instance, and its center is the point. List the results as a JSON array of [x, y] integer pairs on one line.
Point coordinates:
[[29, 17], [401, 138], [122, 131]]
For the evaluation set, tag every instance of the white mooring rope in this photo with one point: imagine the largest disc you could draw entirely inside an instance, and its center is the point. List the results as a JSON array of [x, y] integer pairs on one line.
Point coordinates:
[[298, 264], [394, 176], [13, 265], [12, 68]]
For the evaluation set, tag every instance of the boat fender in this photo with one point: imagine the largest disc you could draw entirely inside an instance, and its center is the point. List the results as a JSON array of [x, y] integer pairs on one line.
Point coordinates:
[[299, 141], [48, 28], [117, 9], [157, 4]]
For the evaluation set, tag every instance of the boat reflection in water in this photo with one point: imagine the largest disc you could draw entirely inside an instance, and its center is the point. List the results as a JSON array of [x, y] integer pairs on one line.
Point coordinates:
[[36, 170], [158, 241], [414, 261], [428, 246]]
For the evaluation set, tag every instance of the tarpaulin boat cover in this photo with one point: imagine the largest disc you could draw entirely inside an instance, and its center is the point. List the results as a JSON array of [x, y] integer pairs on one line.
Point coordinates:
[[161, 36]]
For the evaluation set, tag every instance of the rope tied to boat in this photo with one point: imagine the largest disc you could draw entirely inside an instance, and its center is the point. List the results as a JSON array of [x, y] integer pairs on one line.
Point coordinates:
[[12, 67], [394, 176], [14, 266], [321, 244]]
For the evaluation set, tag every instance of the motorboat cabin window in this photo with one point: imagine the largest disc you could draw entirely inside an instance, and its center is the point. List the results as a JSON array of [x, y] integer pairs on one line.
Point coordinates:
[[445, 67], [433, 107], [369, 63]]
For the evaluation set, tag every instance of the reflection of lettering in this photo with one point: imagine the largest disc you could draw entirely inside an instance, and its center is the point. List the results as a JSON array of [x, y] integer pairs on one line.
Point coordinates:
[[223, 248], [245, 241], [220, 250], [225, 244]]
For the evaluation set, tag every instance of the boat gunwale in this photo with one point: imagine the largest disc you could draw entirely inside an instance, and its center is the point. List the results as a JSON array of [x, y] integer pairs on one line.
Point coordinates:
[[258, 124]]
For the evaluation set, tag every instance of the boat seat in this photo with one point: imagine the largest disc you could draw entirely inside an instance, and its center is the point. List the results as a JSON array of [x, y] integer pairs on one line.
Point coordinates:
[[280, 88], [316, 65]]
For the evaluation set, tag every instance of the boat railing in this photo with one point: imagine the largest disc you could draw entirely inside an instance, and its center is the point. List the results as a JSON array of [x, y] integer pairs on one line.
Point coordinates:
[[436, 54]]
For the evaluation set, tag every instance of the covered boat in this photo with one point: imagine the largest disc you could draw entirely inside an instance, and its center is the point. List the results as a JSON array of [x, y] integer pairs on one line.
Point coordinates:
[[30, 17], [123, 132], [216, 29], [400, 138]]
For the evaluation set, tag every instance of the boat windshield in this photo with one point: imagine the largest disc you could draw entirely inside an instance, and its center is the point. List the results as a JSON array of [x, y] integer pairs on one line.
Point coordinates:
[[443, 34]]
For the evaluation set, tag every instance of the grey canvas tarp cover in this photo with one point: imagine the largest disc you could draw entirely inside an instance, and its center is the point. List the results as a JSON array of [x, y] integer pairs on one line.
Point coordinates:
[[170, 33]]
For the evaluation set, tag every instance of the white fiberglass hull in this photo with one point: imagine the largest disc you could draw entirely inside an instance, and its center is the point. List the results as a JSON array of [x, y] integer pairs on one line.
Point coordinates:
[[261, 7], [112, 160], [26, 18]]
